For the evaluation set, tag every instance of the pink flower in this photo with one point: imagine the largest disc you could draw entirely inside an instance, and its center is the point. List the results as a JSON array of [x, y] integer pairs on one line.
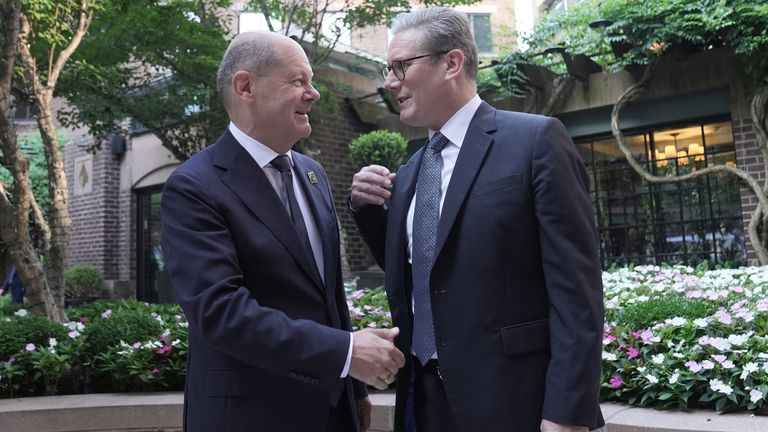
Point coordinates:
[[164, 338], [155, 371], [693, 366], [83, 320], [615, 381], [719, 358], [165, 349], [107, 313], [632, 352], [30, 347]]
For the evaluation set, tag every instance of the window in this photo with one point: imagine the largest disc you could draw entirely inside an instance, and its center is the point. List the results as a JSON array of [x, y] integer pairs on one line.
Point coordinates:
[[255, 21], [153, 283], [23, 111], [481, 29], [684, 222]]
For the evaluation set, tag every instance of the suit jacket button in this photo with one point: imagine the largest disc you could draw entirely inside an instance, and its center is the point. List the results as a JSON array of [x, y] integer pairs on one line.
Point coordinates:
[[315, 382], [307, 379], [292, 375]]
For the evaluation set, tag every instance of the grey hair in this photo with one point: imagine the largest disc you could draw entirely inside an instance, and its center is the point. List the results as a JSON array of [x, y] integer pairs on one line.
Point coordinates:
[[441, 29], [251, 51]]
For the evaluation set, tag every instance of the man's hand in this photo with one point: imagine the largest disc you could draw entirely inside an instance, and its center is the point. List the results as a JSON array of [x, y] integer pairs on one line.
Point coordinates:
[[364, 407], [371, 186], [548, 426], [375, 360]]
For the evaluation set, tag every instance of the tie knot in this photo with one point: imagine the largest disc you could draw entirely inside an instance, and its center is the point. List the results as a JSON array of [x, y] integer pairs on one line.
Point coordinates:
[[281, 163], [437, 142]]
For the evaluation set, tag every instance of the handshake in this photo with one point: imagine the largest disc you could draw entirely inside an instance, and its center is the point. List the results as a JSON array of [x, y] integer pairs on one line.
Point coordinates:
[[375, 360]]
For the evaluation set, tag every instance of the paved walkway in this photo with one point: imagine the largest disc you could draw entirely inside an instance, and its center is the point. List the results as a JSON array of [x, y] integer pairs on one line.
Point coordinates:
[[161, 412]]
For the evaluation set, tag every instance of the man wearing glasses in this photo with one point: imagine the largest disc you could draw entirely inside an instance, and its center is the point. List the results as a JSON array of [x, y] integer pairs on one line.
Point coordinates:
[[488, 242]]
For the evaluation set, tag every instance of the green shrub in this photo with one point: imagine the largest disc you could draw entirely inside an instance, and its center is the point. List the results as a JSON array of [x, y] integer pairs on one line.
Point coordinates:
[[380, 147], [18, 331], [645, 314], [114, 326], [82, 281]]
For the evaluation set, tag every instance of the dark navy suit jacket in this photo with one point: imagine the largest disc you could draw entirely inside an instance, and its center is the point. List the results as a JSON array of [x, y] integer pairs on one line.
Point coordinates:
[[516, 283], [267, 338]]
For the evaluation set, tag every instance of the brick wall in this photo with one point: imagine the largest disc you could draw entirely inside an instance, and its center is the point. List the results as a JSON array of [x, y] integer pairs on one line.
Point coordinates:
[[748, 158], [330, 138], [96, 213]]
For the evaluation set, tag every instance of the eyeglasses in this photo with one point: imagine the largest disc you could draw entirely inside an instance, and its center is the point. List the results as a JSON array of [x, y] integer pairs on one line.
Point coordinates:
[[400, 66]]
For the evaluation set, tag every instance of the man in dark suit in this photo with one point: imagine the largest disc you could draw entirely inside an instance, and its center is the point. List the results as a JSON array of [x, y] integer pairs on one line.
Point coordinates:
[[489, 248], [252, 248]]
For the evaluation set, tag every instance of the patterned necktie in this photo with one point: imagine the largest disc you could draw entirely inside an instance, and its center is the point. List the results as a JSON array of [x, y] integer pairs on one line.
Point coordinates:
[[426, 216], [283, 164]]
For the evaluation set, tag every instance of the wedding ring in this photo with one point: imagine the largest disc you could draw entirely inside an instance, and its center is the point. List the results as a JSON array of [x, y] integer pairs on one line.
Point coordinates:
[[389, 379]]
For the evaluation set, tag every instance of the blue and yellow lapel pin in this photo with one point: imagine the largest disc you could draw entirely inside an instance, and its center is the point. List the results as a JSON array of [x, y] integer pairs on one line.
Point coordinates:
[[312, 177]]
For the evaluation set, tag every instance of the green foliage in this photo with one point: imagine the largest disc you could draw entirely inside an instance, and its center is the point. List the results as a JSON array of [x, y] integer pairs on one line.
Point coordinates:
[[18, 331], [126, 325], [379, 147], [643, 30], [82, 281], [368, 307], [154, 61], [644, 314], [32, 146]]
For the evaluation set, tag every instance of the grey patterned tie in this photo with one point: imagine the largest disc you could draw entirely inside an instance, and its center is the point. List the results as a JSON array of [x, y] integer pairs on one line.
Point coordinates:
[[426, 216]]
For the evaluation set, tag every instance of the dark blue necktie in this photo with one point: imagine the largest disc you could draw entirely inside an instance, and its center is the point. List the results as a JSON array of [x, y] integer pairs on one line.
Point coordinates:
[[426, 216], [287, 196]]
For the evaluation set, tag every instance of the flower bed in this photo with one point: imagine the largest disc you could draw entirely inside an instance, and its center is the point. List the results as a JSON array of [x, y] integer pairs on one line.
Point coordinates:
[[678, 337], [675, 338]]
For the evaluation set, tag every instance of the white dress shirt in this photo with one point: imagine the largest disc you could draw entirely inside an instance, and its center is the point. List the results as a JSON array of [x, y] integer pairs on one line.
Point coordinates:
[[263, 156]]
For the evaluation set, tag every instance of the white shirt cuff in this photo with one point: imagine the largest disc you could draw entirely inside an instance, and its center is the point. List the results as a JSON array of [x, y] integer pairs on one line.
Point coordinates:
[[345, 371]]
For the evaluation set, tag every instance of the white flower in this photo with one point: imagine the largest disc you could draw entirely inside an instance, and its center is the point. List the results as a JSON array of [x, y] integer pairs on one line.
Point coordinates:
[[52, 342], [641, 369], [73, 334], [676, 321], [21, 313], [739, 339], [658, 358], [748, 369], [674, 377], [755, 395], [652, 379], [701, 322], [727, 364], [706, 364], [720, 387], [30, 347], [609, 356]]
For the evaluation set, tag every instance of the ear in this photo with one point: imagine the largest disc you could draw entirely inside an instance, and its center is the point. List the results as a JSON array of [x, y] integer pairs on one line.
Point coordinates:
[[455, 63], [242, 85]]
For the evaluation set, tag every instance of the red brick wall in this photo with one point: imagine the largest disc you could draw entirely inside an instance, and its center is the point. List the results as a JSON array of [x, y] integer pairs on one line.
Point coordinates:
[[330, 138], [96, 216], [749, 159]]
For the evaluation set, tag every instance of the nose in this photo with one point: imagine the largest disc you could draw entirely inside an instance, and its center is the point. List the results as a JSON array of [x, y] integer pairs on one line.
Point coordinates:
[[391, 82], [312, 93]]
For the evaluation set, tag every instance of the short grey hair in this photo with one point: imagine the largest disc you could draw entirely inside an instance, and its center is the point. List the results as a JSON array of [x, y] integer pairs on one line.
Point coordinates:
[[250, 51], [441, 29]]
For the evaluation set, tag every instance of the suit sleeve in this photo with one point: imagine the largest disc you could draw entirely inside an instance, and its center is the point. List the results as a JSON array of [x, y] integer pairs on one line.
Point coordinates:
[[573, 277], [202, 260], [371, 221]]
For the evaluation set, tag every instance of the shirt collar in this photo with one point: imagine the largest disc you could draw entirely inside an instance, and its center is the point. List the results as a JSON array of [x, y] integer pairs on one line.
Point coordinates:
[[262, 154], [456, 127]]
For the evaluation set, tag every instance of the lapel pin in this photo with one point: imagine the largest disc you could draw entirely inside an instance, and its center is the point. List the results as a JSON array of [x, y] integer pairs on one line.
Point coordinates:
[[312, 177]]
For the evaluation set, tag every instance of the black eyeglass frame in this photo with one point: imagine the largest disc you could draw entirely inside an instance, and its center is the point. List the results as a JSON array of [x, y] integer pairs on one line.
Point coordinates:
[[402, 65]]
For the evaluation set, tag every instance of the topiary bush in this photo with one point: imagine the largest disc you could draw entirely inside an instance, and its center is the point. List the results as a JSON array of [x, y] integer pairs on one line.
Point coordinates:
[[82, 281], [380, 147]]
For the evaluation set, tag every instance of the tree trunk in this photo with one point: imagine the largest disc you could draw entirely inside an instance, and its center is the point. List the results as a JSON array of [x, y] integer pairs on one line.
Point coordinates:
[[753, 230], [58, 212]]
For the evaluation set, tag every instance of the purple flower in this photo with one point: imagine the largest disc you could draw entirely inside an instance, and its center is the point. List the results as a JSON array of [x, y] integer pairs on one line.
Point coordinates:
[[616, 381], [632, 352], [107, 313], [30, 347]]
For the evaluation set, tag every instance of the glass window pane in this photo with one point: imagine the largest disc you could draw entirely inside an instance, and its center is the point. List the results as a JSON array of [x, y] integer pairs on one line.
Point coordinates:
[[481, 29]]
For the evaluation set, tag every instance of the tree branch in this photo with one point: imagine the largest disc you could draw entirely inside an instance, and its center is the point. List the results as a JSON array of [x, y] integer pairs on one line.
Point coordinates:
[[632, 93], [84, 20]]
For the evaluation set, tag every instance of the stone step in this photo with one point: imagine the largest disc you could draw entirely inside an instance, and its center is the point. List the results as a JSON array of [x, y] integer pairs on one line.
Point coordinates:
[[161, 412]]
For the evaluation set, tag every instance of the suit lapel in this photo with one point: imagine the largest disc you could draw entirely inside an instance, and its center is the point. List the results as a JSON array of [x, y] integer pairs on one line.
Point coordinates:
[[248, 181], [476, 143], [322, 213], [404, 188]]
